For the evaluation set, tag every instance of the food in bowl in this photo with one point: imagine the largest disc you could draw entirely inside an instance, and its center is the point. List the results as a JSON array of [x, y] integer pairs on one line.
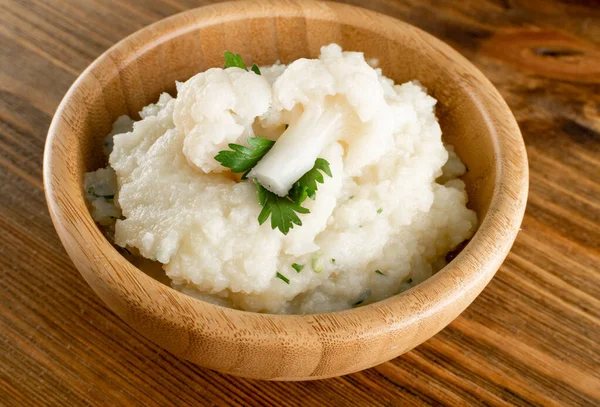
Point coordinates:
[[312, 187]]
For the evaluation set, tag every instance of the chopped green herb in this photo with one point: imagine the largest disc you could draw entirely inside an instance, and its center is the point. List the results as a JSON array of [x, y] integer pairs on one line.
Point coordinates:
[[283, 211], [379, 211], [351, 197], [333, 261], [379, 272], [92, 192], [409, 281], [255, 69], [307, 186], [234, 60], [282, 277], [297, 267], [243, 159], [316, 264]]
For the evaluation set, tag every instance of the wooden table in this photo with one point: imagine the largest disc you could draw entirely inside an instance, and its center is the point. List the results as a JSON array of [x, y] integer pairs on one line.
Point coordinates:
[[532, 337]]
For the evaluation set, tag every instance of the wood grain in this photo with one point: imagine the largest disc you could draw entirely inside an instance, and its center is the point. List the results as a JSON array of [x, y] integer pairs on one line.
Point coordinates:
[[531, 338]]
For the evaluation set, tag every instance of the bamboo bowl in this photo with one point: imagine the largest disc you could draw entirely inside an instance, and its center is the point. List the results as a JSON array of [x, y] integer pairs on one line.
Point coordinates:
[[473, 117]]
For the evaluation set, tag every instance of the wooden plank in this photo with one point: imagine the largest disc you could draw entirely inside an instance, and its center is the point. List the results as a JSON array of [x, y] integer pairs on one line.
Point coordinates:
[[531, 338]]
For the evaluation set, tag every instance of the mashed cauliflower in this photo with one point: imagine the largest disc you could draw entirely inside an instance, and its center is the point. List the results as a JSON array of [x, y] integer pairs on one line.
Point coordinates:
[[383, 222]]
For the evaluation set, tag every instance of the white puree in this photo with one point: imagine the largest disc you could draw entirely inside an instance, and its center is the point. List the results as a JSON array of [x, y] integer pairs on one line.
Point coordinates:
[[180, 207]]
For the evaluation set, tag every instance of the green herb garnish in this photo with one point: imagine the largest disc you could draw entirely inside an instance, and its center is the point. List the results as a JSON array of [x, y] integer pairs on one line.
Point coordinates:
[[235, 60], [282, 277], [307, 186], [379, 211], [316, 263], [297, 267], [243, 159], [332, 261], [283, 211], [379, 272], [409, 281]]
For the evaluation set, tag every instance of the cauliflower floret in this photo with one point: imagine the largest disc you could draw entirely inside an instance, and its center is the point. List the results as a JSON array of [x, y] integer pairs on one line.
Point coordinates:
[[215, 108], [341, 99]]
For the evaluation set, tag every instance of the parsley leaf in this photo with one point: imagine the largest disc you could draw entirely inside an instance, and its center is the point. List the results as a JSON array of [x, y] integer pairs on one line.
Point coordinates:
[[234, 60], [307, 186], [379, 272], [283, 211], [297, 267], [241, 158]]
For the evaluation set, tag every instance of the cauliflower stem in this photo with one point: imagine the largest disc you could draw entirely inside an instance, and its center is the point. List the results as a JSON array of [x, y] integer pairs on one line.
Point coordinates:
[[297, 149]]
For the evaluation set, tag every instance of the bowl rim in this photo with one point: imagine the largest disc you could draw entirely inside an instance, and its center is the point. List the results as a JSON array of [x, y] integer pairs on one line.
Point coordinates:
[[471, 270]]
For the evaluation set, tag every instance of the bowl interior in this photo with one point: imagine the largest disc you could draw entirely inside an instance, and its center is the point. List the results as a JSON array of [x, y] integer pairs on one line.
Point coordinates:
[[132, 74]]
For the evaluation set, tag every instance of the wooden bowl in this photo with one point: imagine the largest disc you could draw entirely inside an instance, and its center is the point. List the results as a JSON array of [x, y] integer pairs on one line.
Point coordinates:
[[473, 116]]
